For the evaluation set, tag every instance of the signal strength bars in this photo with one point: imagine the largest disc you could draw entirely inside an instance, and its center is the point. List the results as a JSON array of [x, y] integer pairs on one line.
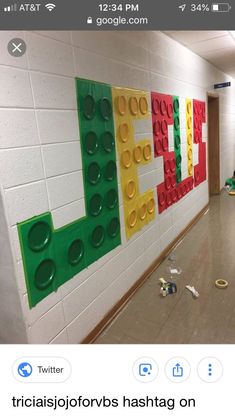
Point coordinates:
[[12, 8]]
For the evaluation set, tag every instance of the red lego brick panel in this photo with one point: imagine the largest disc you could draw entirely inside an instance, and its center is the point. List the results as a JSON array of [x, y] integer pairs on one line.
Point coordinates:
[[169, 170], [162, 116], [199, 117], [168, 197], [161, 193], [169, 192], [198, 120]]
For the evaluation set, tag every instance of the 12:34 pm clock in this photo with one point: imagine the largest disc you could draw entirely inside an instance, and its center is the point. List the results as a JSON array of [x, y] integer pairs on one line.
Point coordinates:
[[118, 7]]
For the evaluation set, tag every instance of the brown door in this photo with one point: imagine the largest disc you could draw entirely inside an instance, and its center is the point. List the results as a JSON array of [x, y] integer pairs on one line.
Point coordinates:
[[213, 145]]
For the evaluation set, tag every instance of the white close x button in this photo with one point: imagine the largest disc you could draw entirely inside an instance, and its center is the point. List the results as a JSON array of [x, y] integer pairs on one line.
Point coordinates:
[[16, 47]]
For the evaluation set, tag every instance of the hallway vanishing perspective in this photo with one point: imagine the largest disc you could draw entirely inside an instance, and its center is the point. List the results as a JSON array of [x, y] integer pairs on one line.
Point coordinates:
[[110, 145], [205, 255]]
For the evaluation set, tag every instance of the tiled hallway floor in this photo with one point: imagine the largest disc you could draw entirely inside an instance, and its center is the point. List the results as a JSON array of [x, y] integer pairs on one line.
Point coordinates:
[[207, 253]]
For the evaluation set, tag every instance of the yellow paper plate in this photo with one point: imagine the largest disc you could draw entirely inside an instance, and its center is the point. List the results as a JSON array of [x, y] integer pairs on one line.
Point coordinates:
[[143, 211], [130, 189], [147, 152], [123, 132], [189, 122], [121, 105], [137, 154], [143, 105], [133, 103], [151, 206], [190, 169], [126, 158], [132, 219], [189, 139], [189, 107]]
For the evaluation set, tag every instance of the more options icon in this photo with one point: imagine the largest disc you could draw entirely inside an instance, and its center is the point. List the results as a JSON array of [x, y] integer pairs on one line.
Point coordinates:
[[210, 370], [145, 369]]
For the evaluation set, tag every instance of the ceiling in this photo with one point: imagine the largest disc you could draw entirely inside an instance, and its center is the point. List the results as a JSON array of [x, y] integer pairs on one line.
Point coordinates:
[[217, 47]]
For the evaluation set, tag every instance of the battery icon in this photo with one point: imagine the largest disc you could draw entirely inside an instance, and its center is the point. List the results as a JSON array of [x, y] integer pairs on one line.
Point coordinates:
[[220, 7]]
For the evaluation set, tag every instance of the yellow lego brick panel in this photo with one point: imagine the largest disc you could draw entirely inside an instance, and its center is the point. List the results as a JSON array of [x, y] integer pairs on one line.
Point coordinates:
[[131, 105], [189, 134]]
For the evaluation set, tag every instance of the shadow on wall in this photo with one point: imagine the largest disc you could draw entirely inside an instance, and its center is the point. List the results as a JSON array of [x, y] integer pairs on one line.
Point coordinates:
[[12, 328]]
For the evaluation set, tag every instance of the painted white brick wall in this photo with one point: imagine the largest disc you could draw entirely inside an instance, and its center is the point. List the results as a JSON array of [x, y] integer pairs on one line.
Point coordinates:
[[40, 157]]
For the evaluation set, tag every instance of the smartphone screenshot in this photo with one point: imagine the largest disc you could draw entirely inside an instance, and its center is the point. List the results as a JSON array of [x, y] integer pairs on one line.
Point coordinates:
[[117, 203]]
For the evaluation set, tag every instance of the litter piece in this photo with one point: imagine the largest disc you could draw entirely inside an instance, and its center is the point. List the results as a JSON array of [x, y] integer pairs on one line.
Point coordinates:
[[167, 288], [175, 270], [193, 290], [221, 284]]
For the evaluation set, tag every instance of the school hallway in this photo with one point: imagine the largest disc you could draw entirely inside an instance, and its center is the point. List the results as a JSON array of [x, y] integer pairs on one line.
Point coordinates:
[[205, 255], [111, 146]]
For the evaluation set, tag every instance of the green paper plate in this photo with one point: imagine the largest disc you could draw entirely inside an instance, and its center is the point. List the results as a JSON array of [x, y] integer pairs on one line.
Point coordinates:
[[176, 105], [98, 235], [94, 173], [110, 170], [96, 204], [91, 143], [107, 141], [177, 141], [105, 108], [45, 274], [111, 198], [178, 160], [75, 252], [113, 227], [176, 122], [39, 236], [89, 107]]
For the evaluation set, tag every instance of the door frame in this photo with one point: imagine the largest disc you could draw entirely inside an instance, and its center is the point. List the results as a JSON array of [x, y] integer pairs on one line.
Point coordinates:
[[213, 153]]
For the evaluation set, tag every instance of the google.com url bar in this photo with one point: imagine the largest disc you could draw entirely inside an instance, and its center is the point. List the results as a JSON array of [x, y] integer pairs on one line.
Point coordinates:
[[118, 21]]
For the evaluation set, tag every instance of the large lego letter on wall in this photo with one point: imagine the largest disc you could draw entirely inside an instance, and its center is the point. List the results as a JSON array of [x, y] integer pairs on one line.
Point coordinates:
[[139, 209], [177, 138], [199, 117], [165, 112], [189, 135], [51, 257]]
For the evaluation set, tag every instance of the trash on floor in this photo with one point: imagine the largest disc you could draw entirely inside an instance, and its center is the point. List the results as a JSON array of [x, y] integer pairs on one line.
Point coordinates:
[[167, 288], [175, 270], [193, 291], [221, 284]]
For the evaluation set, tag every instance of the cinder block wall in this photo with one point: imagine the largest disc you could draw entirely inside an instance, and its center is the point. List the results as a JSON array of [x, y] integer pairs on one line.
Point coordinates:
[[41, 169]]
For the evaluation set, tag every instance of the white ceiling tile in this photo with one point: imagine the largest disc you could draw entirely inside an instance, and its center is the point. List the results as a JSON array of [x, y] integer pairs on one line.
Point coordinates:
[[217, 47], [219, 53], [214, 44], [190, 37]]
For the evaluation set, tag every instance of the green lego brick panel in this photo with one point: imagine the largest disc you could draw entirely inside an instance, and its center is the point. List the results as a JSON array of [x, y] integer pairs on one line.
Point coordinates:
[[37, 246], [51, 257], [99, 167], [177, 138]]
